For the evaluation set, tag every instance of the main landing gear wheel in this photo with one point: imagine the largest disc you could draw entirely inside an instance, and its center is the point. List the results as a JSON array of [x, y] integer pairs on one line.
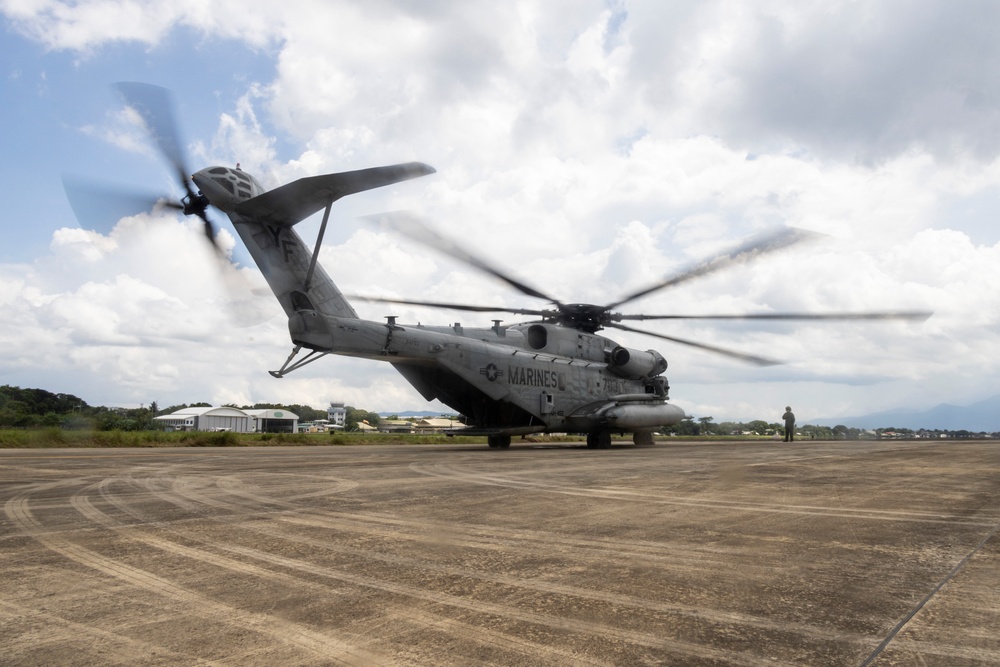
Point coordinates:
[[599, 440], [498, 441], [643, 439]]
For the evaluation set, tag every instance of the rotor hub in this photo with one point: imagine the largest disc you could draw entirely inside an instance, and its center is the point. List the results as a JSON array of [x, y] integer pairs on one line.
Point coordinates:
[[195, 204], [584, 316]]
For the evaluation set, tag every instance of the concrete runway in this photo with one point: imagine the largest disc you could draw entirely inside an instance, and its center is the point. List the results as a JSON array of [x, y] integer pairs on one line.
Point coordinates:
[[817, 553]]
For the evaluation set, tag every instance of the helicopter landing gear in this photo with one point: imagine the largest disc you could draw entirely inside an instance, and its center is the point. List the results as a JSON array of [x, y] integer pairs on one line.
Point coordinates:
[[599, 440], [498, 441], [643, 438]]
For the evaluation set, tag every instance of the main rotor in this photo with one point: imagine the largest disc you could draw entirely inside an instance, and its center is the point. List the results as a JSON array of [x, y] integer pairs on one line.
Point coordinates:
[[591, 318]]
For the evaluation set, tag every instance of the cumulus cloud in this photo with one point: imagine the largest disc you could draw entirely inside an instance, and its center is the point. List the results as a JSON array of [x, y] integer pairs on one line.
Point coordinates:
[[86, 26], [140, 315], [590, 149], [856, 80]]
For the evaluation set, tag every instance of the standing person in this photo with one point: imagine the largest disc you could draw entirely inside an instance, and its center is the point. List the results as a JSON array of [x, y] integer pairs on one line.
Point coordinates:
[[789, 424]]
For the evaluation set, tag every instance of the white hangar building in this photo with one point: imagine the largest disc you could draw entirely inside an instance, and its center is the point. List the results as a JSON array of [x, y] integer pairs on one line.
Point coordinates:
[[231, 419], [209, 419]]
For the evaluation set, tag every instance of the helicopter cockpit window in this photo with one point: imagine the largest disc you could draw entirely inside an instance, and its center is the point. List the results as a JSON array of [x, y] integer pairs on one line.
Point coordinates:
[[538, 337], [226, 183], [218, 171]]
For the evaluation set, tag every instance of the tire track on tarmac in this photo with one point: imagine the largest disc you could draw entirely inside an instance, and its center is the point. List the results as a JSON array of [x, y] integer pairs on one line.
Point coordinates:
[[721, 618], [579, 626], [194, 492], [475, 633], [420, 530], [18, 510], [58, 628], [454, 472], [476, 536]]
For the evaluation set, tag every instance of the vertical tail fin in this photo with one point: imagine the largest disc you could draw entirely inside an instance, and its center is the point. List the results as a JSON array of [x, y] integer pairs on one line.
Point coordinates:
[[265, 224]]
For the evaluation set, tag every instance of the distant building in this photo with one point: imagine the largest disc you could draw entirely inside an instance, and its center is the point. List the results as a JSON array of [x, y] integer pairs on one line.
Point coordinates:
[[395, 426], [436, 425], [208, 419], [424, 426], [274, 421], [337, 415], [231, 419], [318, 426]]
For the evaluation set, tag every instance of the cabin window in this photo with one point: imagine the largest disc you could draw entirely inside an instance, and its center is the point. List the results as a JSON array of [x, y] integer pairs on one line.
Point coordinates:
[[226, 183], [538, 337]]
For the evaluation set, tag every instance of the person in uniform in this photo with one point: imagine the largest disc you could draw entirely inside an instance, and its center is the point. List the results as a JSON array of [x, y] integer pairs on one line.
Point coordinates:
[[789, 424]]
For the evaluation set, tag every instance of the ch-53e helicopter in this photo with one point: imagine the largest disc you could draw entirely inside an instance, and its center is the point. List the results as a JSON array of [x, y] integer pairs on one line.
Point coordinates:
[[553, 374]]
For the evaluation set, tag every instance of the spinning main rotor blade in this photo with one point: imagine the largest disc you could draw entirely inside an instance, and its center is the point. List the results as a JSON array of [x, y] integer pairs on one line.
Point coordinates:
[[910, 315], [750, 358], [748, 252], [413, 228], [453, 306]]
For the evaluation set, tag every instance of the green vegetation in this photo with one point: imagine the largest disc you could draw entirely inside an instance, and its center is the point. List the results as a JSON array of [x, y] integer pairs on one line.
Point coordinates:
[[37, 408], [35, 418], [356, 416], [55, 437], [706, 427]]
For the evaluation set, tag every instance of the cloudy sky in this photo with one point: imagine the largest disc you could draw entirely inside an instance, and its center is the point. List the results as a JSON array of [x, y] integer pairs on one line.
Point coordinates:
[[590, 148]]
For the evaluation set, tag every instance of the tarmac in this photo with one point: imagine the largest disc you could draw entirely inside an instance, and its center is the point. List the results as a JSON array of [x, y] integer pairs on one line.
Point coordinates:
[[731, 553]]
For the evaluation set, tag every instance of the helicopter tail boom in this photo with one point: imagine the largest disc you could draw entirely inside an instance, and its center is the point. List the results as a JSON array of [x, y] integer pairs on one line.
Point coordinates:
[[265, 222]]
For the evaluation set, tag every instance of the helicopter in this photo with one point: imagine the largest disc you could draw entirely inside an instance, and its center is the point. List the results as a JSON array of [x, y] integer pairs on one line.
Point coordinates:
[[555, 373]]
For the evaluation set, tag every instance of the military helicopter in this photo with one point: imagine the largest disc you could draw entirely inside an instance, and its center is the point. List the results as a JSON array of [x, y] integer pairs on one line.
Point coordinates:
[[555, 373]]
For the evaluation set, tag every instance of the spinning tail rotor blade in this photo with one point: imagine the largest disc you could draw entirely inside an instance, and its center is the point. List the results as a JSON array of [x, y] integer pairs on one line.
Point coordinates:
[[155, 106], [95, 204], [749, 358], [746, 253], [413, 228], [99, 203]]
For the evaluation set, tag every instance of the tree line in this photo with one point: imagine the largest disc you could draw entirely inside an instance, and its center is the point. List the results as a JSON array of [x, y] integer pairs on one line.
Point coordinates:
[[38, 408], [707, 426]]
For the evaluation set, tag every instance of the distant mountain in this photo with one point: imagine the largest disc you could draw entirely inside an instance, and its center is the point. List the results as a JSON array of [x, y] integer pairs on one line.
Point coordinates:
[[981, 416]]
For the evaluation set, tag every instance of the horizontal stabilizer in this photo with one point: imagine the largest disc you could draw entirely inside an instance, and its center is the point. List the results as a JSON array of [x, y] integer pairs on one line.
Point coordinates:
[[299, 199]]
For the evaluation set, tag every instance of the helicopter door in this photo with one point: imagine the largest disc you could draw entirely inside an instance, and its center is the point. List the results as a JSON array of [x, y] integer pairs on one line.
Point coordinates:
[[546, 403]]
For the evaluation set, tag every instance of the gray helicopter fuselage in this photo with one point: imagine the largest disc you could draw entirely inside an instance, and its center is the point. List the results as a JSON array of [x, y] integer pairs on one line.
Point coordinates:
[[531, 377], [563, 392]]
